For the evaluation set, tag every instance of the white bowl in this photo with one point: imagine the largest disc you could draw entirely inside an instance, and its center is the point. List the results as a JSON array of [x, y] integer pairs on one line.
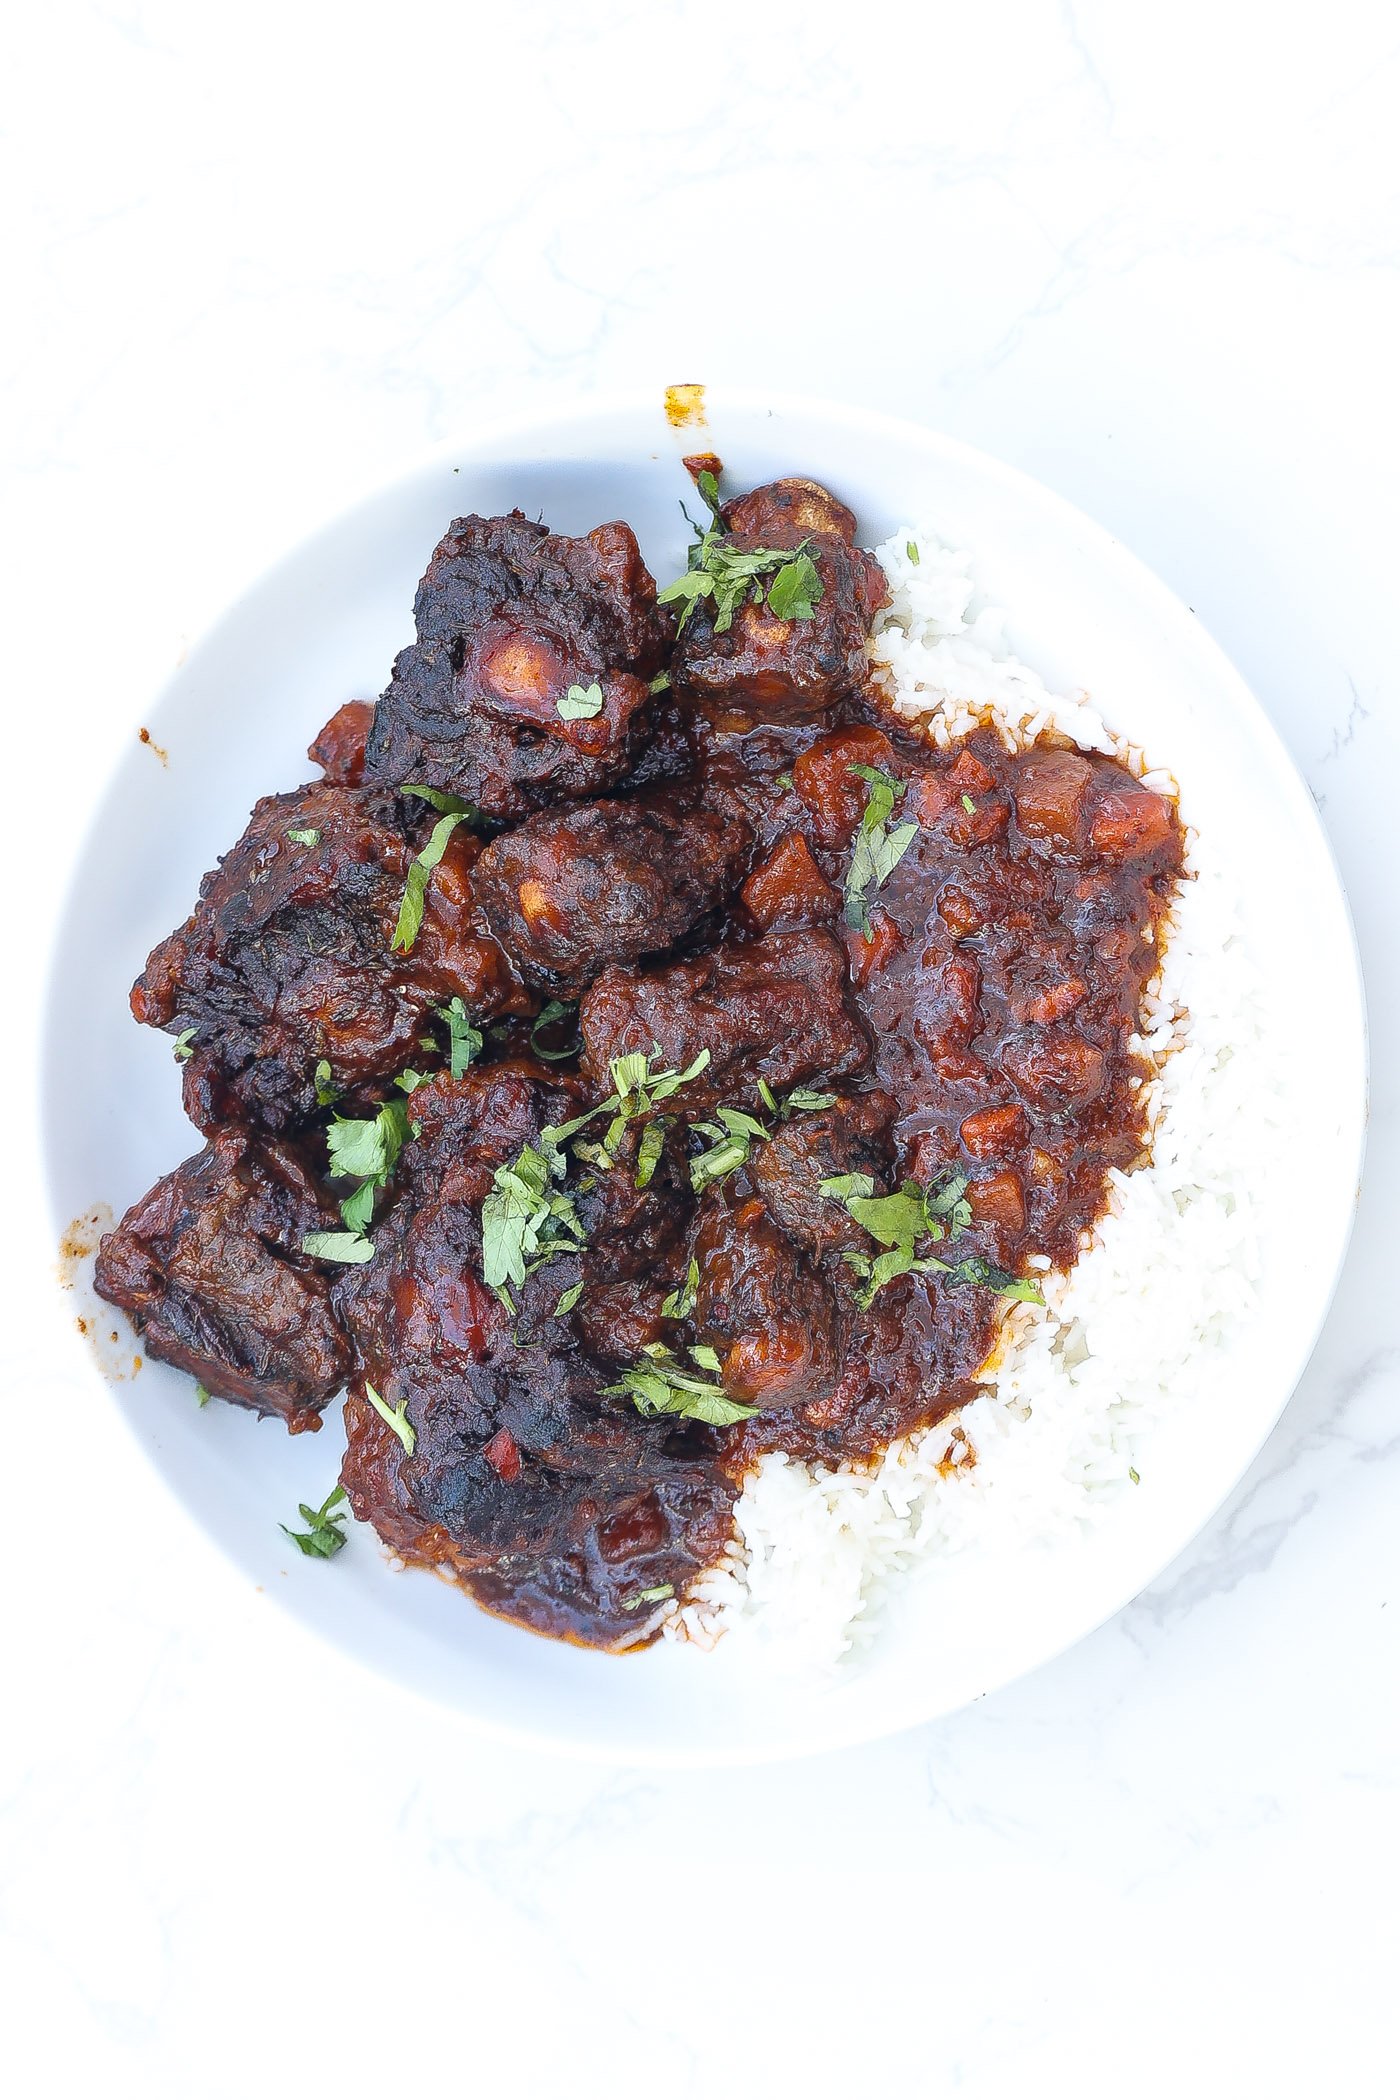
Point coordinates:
[[323, 626]]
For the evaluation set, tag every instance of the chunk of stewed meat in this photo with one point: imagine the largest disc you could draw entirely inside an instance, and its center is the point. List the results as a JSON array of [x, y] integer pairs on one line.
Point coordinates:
[[769, 1315], [210, 1269], [571, 890], [786, 667], [850, 1137], [775, 1009], [529, 679], [287, 958], [544, 1497]]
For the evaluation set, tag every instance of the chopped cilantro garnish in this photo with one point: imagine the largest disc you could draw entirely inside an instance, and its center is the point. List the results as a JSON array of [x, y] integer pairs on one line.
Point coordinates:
[[707, 484], [184, 1045], [305, 838], [1135, 1476], [637, 1091], [878, 848], [324, 1538], [366, 1148], [730, 578], [415, 891], [657, 1594], [326, 1091], [659, 1384], [396, 1418], [338, 1246], [679, 1303], [911, 548], [794, 591], [439, 799], [202, 1393], [580, 703], [525, 1220], [568, 1300], [782, 780], [660, 683], [649, 1152], [897, 1223], [733, 1136], [553, 1011], [969, 805], [804, 1101], [463, 1041]]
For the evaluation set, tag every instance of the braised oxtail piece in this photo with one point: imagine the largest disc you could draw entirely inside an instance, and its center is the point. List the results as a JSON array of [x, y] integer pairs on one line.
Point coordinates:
[[530, 678]]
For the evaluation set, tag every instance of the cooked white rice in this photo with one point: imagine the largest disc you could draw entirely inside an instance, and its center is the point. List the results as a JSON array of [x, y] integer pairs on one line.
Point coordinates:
[[1069, 1391]]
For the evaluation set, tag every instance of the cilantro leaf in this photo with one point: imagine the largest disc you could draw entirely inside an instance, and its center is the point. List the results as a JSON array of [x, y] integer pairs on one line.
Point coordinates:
[[525, 1220], [305, 838], [794, 591], [324, 1539], [707, 485], [660, 683], [649, 1153], [679, 1303], [911, 548], [439, 799], [202, 1393], [580, 703], [657, 1594], [184, 1045], [366, 1149], [659, 1384], [568, 1300], [803, 1101], [878, 850], [554, 1010], [731, 577], [326, 1092], [415, 890], [338, 1246], [637, 1091], [396, 1418], [463, 1041], [734, 1134], [898, 1222]]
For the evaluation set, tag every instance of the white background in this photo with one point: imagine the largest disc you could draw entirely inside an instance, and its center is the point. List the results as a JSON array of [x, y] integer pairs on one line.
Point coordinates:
[[258, 258]]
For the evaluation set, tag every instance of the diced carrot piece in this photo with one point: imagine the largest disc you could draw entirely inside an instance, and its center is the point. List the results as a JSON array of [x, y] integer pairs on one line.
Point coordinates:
[[1049, 791], [824, 781], [960, 913], [963, 801], [788, 889], [869, 955], [1058, 1067], [968, 775], [1051, 1002], [999, 1200], [1129, 822], [993, 1133], [502, 1454]]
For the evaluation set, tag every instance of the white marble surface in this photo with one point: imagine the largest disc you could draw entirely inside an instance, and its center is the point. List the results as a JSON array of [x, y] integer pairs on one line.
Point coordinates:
[[256, 259]]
